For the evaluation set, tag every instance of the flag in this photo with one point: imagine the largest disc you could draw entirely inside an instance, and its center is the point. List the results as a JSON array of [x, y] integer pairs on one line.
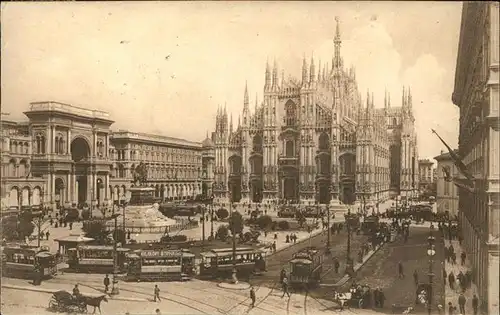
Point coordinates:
[[465, 184], [456, 159]]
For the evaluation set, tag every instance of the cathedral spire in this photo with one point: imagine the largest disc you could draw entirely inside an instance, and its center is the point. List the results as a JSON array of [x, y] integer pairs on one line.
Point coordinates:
[[304, 71], [312, 73], [267, 84], [245, 97], [275, 75], [231, 123], [337, 41], [403, 99], [319, 71], [410, 102]]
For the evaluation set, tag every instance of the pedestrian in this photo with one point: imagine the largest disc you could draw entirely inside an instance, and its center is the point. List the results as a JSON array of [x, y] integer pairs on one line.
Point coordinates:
[[71, 225], [475, 304], [462, 258], [76, 290], [444, 275], [381, 298], [128, 234], [415, 277], [451, 280], [252, 296], [336, 265], [400, 269], [282, 275], [453, 258], [376, 297], [157, 293], [274, 246], [106, 283], [47, 234], [284, 285], [450, 308], [461, 303]]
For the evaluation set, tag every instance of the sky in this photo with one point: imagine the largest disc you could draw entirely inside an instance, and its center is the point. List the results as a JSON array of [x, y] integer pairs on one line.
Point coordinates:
[[165, 67]]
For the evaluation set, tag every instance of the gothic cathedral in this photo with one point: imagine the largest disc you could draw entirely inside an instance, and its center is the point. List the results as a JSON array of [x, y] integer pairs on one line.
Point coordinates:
[[314, 141]]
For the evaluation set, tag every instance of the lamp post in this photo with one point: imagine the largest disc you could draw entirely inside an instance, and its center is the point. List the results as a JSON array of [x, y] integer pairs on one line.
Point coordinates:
[[235, 279], [114, 289], [430, 252], [212, 217], [348, 258]]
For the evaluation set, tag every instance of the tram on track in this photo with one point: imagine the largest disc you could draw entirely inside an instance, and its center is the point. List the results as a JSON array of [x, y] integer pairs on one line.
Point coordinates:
[[306, 267], [219, 262], [96, 258], [21, 261], [160, 265]]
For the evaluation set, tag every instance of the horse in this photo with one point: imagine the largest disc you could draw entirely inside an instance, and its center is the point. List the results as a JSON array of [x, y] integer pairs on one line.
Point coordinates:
[[93, 301]]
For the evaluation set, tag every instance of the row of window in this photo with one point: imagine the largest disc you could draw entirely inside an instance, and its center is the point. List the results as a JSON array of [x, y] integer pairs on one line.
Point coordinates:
[[159, 173], [19, 147], [120, 155]]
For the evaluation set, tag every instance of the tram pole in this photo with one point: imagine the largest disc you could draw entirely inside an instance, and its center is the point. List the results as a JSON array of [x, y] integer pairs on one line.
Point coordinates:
[[114, 289], [212, 217], [235, 279], [203, 226]]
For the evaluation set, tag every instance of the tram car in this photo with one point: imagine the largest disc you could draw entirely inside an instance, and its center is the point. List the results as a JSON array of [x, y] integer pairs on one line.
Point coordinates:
[[96, 258], [160, 265], [306, 267], [219, 262], [19, 261], [370, 225]]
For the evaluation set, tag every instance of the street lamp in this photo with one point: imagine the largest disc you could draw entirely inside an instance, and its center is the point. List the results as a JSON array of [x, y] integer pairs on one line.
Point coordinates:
[[348, 220], [431, 251], [212, 217], [235, 279], [98, 186], [114, 289]]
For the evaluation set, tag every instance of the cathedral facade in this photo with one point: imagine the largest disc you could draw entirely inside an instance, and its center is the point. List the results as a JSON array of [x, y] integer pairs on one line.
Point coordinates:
[[315, 140]]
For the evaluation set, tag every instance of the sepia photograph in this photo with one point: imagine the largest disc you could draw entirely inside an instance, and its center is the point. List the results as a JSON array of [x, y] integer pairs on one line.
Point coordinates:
[[250, 157]]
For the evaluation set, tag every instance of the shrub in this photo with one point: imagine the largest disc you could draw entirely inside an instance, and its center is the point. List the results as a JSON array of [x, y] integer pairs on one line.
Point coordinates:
[[86, 214], [236, 223], [97, 230], [222, 213], [255, 236], [247, 237], [264, 222], [284, 225], [120, 236], [274, 225], [73, 215], [222, 232]]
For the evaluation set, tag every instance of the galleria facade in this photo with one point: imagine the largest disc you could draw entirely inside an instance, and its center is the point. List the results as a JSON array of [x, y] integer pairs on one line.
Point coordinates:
[[65, 156], [313, 140]]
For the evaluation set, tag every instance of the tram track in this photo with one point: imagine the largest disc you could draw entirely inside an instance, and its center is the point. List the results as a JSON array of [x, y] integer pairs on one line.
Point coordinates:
[[162, 297]]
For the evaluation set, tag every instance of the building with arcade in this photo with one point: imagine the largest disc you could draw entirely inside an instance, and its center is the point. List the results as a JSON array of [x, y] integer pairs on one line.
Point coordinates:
[[316, 140], [66, 155], [476, 93]]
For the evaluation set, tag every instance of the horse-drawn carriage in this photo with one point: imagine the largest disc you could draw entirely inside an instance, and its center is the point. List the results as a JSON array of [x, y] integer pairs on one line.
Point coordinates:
[[63, 301], [360, 297]]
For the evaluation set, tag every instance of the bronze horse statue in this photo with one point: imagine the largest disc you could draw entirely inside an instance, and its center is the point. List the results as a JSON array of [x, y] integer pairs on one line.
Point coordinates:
[[93, 301]]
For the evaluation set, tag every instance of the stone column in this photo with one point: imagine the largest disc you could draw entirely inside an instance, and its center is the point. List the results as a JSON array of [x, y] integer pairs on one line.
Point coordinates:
[[69, 142]]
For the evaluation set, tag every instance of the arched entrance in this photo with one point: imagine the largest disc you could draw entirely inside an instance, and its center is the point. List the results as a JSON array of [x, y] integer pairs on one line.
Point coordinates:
[[289, 179], [80, 153], [347, 163], [235, 163], [59, 193], [256, 163], [323, 165]]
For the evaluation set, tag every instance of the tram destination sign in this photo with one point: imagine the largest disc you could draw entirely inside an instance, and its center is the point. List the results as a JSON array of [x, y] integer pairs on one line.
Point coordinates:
[[161, 253]]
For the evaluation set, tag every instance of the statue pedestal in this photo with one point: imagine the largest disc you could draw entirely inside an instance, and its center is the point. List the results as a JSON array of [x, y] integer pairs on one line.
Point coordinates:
[[142, 215]]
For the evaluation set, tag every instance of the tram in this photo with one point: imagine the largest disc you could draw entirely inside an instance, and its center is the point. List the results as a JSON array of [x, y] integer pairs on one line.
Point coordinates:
[[96, 258], [219, 262], [306, 267], [160, 265], [21, 260]]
